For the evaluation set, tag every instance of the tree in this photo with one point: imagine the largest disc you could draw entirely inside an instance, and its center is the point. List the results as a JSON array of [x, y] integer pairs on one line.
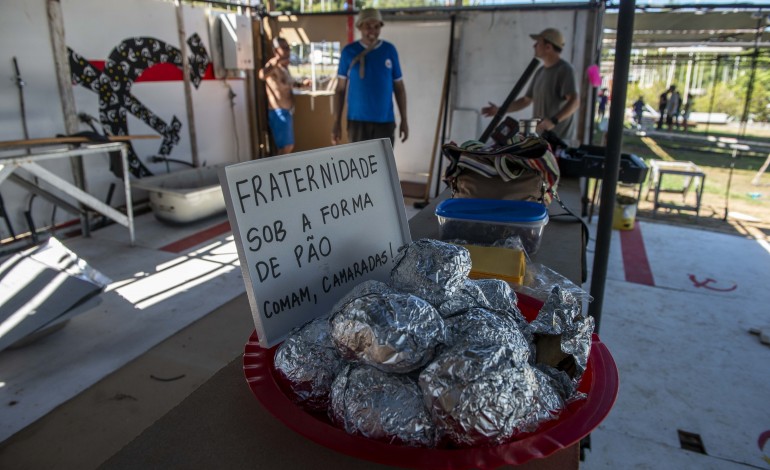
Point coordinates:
[[760, 95], [726, 100]]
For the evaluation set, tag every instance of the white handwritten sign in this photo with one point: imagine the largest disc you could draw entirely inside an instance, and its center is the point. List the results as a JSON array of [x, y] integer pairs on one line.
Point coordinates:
[[312, 225]]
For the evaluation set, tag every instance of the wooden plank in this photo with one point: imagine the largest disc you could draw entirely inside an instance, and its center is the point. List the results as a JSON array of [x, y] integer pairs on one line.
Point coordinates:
[[8, 144], [187, 85]]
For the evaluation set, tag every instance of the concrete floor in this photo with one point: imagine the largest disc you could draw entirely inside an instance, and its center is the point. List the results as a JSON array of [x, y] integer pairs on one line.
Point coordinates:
[[685, 357], [155, 292], [680, 339]]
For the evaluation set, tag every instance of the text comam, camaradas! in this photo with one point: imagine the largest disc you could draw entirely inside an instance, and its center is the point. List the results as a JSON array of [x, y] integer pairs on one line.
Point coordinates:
[[339, 279], [355, 270], [264, 189]]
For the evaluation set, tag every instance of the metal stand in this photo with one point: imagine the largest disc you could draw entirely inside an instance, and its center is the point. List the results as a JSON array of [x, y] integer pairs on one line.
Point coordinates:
[[29, 162], [691, 173]]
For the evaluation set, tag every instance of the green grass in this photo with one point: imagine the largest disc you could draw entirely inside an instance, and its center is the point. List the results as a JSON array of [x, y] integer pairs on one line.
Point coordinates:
[[715, 163], [745, 198], [752, 133], [703, 156]]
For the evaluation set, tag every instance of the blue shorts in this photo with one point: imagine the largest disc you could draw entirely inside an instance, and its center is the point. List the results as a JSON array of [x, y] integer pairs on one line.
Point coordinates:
[[281, 126]]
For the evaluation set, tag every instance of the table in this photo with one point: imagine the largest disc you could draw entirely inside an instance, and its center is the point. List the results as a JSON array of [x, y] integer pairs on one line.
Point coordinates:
[[587, 161], [29, 162], [692, 175], [221, 424]]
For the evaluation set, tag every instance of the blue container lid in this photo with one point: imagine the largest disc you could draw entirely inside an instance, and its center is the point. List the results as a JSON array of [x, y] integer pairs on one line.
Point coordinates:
[[492, 210]]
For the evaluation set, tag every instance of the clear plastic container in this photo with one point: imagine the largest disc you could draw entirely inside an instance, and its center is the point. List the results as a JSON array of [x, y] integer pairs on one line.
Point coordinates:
[[490, 221]]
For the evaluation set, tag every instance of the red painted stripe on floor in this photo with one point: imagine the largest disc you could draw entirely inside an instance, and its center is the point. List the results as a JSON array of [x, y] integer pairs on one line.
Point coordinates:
[[635, 262], [197, 238]]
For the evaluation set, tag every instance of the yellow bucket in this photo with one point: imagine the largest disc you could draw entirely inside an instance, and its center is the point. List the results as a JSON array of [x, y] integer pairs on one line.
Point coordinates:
[[625, 213]]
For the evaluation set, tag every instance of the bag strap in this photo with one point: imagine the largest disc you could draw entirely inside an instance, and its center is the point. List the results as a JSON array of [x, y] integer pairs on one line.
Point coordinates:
[[361, 57], [583, 225], [532, 153]]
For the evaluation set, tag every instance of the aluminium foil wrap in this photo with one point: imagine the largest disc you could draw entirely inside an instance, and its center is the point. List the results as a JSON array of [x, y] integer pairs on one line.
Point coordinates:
[[480, 396], [395, 332], [308, 362], [479, 326], [387, 407], [431, 269], [362, 289], [561, 315]]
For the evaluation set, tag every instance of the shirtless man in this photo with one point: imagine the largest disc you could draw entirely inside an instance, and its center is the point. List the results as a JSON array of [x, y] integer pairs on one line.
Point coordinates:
[[280, 98]]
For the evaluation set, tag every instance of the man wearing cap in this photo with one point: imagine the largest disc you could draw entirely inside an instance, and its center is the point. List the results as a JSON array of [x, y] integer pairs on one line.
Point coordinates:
[[552, 91], [370, 74]]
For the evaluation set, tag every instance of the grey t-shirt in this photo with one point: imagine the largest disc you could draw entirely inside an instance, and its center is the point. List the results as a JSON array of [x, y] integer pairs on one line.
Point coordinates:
[[549, 89]]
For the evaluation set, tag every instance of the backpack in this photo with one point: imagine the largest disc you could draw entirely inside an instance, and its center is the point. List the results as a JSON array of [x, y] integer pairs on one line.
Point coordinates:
[[524, 169]]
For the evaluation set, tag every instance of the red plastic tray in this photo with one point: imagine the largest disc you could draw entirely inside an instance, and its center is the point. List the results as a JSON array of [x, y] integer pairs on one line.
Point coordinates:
[[599, 382]]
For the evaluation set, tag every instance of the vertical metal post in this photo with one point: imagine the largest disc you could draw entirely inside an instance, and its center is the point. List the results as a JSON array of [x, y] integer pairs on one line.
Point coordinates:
[[187, 85], [64, 80], [687, 77], [250, 100], [447, 87], [257, 94], [612, 161], [752, 76], [350, 27], [713, 91], [127, 188], [592, 55]]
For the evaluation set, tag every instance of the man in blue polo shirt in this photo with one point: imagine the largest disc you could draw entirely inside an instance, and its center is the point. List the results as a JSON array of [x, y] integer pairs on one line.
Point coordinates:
[[370, 74]]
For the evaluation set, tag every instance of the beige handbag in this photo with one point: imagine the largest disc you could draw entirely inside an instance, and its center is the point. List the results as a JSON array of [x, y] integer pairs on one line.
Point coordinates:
[[526, 170]]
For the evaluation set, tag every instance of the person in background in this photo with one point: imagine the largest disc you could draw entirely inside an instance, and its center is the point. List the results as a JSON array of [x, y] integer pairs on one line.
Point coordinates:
[[672, 108], [638, 112], [603, 99], [370, 75], [686, 113], [280, 99], [662, 105], [552, 91]]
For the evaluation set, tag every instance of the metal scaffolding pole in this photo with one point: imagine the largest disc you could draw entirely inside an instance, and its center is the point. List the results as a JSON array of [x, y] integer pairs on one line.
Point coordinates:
[[612, 162]]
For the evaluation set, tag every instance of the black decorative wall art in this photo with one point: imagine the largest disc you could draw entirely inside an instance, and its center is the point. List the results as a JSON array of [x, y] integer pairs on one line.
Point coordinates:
[[123, 66]]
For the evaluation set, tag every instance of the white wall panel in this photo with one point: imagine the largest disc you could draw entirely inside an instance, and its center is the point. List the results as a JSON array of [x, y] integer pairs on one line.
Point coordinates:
[[422, 49], [93, 28], [495, 49], [24, 34]]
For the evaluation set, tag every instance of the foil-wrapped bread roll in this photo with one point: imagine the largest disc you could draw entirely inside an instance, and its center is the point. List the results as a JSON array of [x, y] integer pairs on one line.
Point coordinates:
[[549, 398], [493, 294], [563, 334], [480, 396], [499, 295], [479, 326], [431, 269], [490, 294], [387, 407], [561, 382], [308, 362], [466, 297], [362, 289], [394, 332]]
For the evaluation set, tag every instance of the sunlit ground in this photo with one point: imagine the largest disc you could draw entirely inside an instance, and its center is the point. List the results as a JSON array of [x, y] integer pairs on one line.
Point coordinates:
[[179, 275]]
